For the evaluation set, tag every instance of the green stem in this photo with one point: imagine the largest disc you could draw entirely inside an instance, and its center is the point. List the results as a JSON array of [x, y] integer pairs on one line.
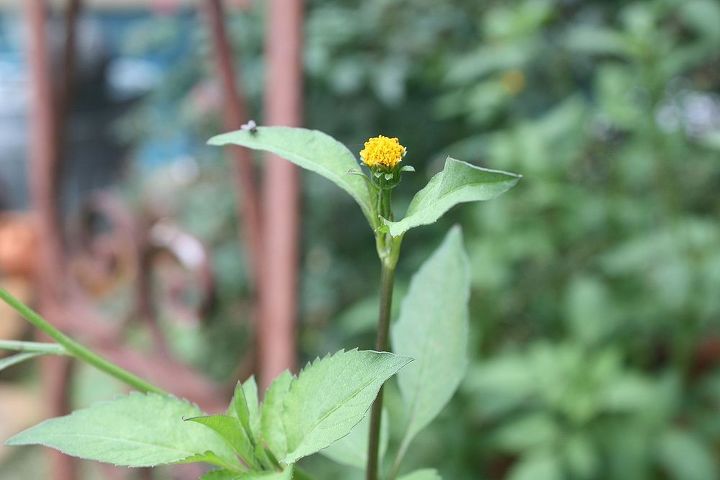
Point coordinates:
[[76, 349], [387, 281], [33, 347]]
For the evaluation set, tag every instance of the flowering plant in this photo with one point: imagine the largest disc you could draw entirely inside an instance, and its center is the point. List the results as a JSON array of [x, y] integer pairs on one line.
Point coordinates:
[[334, 406]]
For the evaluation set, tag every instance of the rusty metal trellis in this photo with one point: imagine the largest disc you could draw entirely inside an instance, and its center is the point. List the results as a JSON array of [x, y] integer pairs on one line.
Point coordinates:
[[62, 296]]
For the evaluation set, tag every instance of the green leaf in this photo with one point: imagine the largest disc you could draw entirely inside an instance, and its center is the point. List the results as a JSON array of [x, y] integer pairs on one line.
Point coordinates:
[[458, 182], [426, 474], [210, 458], [17, 358], [138, 430], [244, 406], [309, 149], [251, 398], [232, 431], [33, 347], [352, 449], [331, 396], [433, 329], [271, 417]]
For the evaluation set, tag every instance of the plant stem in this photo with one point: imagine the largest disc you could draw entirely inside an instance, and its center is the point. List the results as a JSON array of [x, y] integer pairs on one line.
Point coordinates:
[[76, 349], [33, 347], [387, 281]]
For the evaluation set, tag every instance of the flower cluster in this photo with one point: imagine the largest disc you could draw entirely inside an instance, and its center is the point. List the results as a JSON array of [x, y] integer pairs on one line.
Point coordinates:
[[382, 152]]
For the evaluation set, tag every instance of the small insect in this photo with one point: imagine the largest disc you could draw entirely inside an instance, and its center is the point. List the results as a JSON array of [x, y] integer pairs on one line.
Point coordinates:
[[251, 127]]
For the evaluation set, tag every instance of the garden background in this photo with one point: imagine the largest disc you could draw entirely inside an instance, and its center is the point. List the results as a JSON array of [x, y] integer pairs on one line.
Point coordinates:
[[595, 307]]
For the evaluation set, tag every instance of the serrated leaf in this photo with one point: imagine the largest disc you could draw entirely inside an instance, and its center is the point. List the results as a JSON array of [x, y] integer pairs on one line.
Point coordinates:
[[138, 430], [433, 329], [458, 182], [331, 396], [427, 474], [309, 149], [232, 431], [16, 359], [352, 449], [271, 416]]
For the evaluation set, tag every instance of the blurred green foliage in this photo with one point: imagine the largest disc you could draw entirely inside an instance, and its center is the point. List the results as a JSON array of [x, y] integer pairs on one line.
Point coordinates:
[[595, 300]]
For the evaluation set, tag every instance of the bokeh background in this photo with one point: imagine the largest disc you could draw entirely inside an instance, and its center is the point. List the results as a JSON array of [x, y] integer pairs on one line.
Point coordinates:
[[596, 281]]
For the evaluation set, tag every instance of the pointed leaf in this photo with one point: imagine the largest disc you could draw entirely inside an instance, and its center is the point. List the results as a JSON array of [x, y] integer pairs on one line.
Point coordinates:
[[331, 396], [352, 449], [231, 430], [433, 328], [138, 430], [244, 406], [251, 397], [426, 474], [209, 458], [271, 417], [33, 347], [17, 358], [310, 149], [458, 182]]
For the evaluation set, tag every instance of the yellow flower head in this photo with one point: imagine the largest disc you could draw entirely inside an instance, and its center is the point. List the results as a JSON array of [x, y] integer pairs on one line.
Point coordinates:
[[382, 151]]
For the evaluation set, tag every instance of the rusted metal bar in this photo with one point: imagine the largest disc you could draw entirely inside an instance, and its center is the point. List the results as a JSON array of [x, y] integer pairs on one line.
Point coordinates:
[[44, 158], [43, 173], [65, 87], [283, 106], [236, 113]]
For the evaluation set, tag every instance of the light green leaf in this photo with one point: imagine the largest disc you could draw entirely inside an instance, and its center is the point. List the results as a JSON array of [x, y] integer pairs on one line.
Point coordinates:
[[17, 358], [352, 449], [138, 430], [244, 406], [310, 149], [271, 417], [458, 182], [427, 474], [251, 397], [210, 458], [232, 431], [331, 396], [433, 329], [33, 347]]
